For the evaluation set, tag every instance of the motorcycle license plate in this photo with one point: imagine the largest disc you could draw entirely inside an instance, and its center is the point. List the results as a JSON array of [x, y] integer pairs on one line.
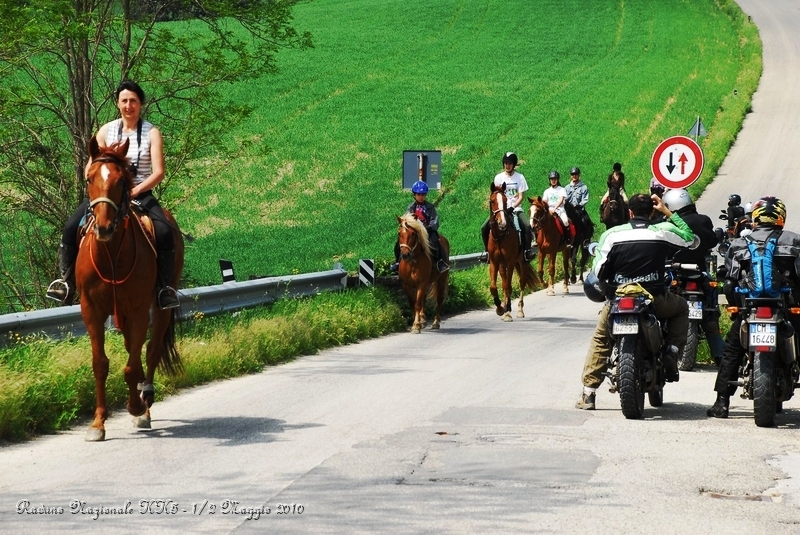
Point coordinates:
[[695, 310], [763, 334], [627, 324]]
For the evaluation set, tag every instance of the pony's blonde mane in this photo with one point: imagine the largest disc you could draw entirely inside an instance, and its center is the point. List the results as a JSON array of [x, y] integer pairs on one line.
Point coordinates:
[[422, 233]]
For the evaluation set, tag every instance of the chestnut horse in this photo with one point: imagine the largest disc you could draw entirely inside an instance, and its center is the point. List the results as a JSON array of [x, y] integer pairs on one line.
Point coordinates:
[[505, 256], [417, 270], [116, 276], [549, 242]]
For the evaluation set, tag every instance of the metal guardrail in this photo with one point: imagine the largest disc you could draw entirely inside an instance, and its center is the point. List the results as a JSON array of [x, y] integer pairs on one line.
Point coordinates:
[[209, 300]]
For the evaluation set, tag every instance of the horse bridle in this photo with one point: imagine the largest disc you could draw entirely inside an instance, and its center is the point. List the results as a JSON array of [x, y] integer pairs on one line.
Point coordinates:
[[122, 209], [411, 249], [538, 218], [492, 220]]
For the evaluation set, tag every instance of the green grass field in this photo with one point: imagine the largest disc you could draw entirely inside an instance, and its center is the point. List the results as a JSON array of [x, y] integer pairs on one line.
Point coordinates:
[[560, 83]]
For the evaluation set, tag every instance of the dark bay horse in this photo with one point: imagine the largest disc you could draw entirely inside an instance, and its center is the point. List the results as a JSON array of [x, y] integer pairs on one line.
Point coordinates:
[[505, 256], [615, 211], [417, 270], [584, 230], [549, 242], [116, 276]]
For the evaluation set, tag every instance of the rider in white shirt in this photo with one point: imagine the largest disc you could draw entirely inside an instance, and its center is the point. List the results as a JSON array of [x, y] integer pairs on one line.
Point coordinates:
[[516, 186], [555, 196]]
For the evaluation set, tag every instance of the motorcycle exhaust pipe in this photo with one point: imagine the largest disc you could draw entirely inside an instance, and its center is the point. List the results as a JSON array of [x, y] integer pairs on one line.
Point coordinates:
[[652, 332], [788, 346]]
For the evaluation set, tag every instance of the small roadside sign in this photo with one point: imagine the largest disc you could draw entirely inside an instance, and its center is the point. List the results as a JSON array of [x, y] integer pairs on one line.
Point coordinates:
[[677, 162]]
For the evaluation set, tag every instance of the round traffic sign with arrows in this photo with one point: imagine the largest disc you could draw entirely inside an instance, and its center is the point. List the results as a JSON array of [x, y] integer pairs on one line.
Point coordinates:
[[677, 162]]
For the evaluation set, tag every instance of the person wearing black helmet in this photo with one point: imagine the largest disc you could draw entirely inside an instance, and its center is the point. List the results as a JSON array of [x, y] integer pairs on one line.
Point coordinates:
[[735, 214], [556, 196], [680, 202], [636, 252], [769, 217], [617, 178], [516, 186], [578, 196]]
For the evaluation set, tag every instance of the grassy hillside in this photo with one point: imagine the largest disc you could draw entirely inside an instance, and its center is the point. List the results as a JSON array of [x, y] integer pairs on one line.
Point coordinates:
[[561, 83]]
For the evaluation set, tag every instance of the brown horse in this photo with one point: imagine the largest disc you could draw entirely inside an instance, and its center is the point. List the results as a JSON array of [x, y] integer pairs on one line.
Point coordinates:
[[615, 211], [505, 256], [549, 242], [417, 270], [116, 276]]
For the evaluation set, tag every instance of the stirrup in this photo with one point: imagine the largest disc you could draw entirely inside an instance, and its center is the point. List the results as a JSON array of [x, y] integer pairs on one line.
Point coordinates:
[[394, 267], [442, 266], [484, 257], [168, 298], [528, 255], [58, 290]]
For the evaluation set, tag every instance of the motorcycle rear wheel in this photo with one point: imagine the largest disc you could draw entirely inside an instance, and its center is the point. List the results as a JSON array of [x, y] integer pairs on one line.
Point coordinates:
[[631, 384], [764, 399], [689, 356]]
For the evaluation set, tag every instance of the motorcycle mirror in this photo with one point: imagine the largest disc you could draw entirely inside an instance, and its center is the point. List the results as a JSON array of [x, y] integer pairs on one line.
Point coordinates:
[[592, 248]]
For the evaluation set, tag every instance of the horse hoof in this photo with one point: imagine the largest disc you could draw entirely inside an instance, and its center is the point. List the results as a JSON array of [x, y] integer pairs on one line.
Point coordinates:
[[550, 291], [95, 435], [500, 311], [573, 279], [520, 314], [138, 410], [415, 330], [142, 422], [566, 289], [506, 317], [435, 327]]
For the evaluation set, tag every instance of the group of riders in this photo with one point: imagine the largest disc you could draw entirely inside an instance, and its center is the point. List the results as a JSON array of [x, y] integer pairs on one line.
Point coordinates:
[[558, 198]]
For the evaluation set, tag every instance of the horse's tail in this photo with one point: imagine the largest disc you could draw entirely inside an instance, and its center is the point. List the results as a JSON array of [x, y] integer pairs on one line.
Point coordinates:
[[171, 363], [528, 277]]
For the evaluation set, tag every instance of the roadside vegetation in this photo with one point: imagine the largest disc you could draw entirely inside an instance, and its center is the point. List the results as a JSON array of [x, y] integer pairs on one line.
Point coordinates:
[[317, 173]]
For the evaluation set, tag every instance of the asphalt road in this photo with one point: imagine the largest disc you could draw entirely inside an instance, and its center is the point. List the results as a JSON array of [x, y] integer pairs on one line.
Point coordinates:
[[469, 429]]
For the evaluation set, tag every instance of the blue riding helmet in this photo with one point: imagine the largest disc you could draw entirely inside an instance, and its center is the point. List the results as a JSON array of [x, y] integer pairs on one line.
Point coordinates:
[[419, 187]]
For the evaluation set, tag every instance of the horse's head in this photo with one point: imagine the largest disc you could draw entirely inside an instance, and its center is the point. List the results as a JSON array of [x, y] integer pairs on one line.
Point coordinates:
[[497, 205], [109, 183], [411, 235], [539, 211]]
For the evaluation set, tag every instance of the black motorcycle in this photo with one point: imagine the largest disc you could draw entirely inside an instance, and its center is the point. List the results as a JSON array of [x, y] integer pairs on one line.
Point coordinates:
[[693, 284], [636, 365], [770, 373]]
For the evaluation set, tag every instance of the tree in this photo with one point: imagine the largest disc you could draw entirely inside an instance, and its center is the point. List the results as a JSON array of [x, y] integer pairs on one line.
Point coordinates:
[[60, 62]]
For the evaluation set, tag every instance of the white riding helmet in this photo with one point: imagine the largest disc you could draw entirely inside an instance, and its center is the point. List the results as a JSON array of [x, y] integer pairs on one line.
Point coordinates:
[[675, 199]]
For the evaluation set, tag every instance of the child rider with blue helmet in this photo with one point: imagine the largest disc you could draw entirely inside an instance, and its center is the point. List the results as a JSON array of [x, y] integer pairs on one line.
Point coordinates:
[[425, 212]]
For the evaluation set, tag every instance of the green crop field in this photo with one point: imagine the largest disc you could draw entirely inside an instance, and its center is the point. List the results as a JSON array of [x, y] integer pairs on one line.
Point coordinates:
[[561, 83]]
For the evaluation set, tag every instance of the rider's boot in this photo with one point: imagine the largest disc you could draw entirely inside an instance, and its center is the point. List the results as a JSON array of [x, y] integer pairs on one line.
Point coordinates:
[[167, 296], [63, 289], [671, 363], [442, 265], [720, 407]]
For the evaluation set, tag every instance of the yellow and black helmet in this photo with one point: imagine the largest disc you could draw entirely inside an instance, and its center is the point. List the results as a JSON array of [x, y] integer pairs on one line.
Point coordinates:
[[769, 211]]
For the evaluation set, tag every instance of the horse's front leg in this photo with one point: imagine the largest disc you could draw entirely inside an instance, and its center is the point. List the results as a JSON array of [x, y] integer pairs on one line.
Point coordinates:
[[506, 274], [522, 285], [566, 257], [419, 308], [540, 271], [97, 335], [498, 306], [135, 332], [551, 273]]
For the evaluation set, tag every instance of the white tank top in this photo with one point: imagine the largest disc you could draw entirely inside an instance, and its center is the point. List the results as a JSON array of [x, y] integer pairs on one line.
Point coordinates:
[[138, 155]]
